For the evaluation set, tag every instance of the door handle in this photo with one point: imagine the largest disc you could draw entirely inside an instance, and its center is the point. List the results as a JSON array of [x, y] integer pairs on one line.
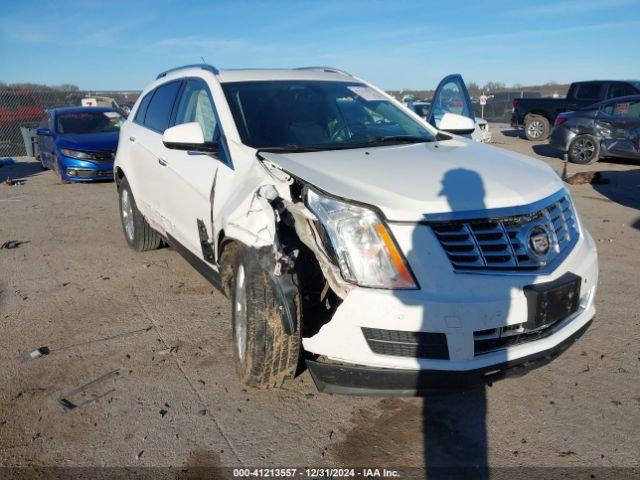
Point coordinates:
[[132, 139], [163, 162]]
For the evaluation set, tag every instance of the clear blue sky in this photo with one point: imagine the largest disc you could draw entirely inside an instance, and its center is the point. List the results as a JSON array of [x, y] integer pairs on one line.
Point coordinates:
[[119, 44]]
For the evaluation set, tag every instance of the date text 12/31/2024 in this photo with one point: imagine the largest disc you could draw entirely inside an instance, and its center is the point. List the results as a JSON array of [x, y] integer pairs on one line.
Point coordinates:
[[315, 472]]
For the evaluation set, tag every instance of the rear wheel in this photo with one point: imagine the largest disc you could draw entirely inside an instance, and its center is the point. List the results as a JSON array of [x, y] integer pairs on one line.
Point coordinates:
[[137, 231], [584, 149], [536, 127], [265, 354]]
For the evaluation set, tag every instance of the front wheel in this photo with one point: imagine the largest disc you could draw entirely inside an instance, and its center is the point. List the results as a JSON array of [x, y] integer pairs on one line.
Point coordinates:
[[536, 127], [265, 354], [139, 234], [584, 149], [40, 159], [58, 171]]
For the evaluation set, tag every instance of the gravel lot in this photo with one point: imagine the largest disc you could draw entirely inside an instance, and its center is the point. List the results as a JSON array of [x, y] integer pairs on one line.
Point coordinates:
[[75, 287]]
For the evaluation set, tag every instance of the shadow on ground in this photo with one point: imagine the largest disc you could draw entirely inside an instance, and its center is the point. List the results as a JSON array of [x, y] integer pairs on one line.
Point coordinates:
[[623, 188], [455, 434], [620, 161], [20, 170], [451, 426], [546, 150], [512, 133]]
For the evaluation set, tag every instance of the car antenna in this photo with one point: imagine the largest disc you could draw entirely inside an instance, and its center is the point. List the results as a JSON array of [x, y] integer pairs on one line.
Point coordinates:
[[202, 58]]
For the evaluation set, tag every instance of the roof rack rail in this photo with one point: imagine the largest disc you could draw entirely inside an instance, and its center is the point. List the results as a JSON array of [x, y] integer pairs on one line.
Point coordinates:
[[326, 69], [203, 66]]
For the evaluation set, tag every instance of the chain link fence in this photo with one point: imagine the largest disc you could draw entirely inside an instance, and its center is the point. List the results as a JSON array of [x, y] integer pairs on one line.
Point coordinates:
[[24, 107]]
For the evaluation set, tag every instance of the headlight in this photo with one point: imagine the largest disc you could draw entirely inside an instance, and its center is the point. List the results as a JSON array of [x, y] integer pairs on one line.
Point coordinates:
[[363, 246], [76, 154]]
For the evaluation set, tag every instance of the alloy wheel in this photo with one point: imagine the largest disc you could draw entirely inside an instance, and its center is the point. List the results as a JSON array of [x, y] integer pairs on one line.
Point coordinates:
[[583, 149], [535, 129], [127, 214], [240, 314]]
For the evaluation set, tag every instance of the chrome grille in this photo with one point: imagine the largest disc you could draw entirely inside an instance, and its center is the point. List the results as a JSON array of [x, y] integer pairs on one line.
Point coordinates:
[[486, 341], [504, 243], [104, 156]]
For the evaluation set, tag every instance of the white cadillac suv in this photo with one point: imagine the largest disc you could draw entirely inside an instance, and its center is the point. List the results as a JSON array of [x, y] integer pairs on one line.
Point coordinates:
[[349, 233]]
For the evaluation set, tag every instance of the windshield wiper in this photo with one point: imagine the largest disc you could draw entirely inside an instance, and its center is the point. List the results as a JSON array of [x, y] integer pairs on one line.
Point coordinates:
[[292, 149], [381, 140], [400, 139]]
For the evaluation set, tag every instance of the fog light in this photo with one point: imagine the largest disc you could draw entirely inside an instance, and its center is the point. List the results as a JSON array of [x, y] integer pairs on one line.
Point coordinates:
[[72, 172]]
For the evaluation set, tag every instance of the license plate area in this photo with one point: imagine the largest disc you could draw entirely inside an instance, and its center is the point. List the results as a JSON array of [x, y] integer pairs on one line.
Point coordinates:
[[552, 302]]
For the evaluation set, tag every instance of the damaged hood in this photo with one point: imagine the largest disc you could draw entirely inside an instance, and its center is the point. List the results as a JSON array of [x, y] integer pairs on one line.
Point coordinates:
[[408, 182]]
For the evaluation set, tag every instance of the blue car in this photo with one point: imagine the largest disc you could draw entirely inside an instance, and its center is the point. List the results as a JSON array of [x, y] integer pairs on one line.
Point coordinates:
[[79, 143]]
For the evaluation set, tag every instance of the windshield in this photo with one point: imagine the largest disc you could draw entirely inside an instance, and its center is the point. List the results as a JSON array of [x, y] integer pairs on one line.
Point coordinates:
[[88, 122], [298, 115]]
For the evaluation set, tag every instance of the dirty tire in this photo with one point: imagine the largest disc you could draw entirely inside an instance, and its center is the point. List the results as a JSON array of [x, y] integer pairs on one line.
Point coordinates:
[[39, 158], [58, 172], [584, 150], [138, 233], [270, 355], [536, 128]]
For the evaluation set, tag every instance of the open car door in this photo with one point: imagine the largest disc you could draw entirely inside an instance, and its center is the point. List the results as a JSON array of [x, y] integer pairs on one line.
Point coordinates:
[[452, 96]]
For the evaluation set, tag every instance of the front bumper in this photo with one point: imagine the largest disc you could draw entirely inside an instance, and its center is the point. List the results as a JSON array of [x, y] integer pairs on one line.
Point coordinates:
[[74, 170], [457, 305], [360, 380]]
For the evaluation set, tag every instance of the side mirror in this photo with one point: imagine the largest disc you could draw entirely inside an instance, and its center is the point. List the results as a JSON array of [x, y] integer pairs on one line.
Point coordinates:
[[43, 131], [188, 136], [458, 124]]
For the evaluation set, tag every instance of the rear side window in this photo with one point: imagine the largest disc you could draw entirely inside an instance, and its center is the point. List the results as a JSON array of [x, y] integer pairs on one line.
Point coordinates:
[[623, 109], [142, 109], [159, 111], [589, 91], [620, 90]]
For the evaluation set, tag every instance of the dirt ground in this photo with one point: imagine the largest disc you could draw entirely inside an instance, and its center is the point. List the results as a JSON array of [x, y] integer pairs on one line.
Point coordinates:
[[161, 335]]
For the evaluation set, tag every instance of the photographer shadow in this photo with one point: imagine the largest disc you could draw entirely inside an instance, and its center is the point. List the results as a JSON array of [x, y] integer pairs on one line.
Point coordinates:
[[454, 419]]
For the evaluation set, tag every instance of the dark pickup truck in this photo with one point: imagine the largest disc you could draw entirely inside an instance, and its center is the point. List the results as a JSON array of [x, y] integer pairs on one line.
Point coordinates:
[[537, 115]]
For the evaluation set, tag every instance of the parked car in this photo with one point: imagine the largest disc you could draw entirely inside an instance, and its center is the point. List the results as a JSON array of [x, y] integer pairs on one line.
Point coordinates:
[[606, 129], [536, 115], [79, 143], [125, 108], [499, 106], [101, 101], [420, 108], [396, 255], [454, 99]]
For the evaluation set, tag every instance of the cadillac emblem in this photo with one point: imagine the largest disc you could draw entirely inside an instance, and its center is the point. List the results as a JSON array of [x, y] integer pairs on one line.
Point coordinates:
[[539, 241]]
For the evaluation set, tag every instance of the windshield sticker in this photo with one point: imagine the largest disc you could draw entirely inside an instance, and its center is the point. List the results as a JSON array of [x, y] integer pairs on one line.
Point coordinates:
[[111, 114], [369, 94]]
